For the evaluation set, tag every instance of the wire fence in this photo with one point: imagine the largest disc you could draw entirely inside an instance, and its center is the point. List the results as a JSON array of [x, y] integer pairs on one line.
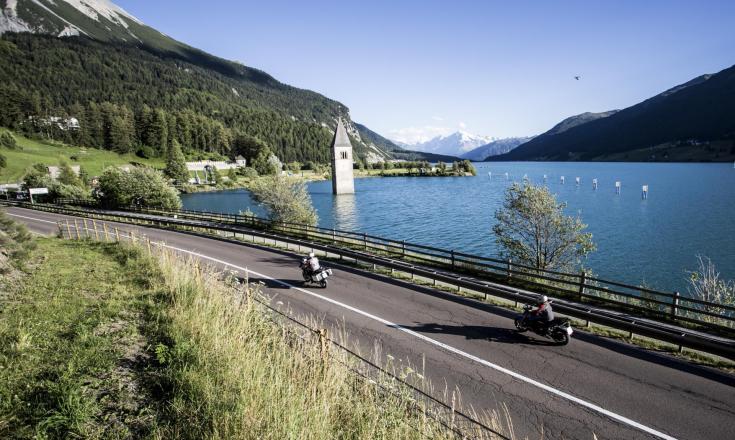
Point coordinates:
[[453, 419]]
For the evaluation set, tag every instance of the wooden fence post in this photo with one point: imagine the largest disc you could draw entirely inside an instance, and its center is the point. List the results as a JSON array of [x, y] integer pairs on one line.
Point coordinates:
[[68, 229], [582, 281], [510, 269], [104, 228], [61, 229], [76, 228], [117, 234], [323, 344], [364, 240], [403, 248], [674, 304], [452, 251], [86, 227], [96, 232]]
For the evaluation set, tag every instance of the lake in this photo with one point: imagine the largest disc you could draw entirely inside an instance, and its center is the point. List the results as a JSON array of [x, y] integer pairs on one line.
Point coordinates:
[[690, 211]]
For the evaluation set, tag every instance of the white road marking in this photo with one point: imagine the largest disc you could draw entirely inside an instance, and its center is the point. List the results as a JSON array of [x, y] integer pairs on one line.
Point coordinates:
[[30, 218], [429, 340]]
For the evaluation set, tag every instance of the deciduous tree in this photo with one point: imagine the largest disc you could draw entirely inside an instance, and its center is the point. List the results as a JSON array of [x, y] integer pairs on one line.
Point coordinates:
[[533, 230]]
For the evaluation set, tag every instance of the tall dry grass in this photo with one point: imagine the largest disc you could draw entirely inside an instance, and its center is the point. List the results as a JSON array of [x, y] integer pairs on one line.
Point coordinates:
[[235, 373]]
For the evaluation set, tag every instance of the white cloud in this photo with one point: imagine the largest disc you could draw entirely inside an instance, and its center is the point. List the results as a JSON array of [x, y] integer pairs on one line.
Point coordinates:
[[414, 135]]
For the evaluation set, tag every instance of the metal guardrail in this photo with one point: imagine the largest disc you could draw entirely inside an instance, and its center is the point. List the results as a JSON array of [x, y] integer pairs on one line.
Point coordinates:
[[207, 225], [581, 288], [460, 424]]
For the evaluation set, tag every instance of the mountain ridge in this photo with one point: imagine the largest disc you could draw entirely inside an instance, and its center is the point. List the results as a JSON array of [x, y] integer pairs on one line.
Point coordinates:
[[693, 121], [453, 144], [494, 148], [104, 22]]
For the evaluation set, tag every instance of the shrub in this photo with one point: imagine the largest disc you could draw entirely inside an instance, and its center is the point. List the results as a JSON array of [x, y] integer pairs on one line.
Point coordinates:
[[146, 152], [286, 200], [141, 186], [8, 141]]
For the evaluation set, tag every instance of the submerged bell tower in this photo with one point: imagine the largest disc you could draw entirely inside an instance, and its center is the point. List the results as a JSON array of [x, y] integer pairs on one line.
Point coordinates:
[[343, 181]]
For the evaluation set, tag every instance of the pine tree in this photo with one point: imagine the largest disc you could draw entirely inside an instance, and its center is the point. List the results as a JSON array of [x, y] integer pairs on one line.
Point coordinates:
[[176, 164]]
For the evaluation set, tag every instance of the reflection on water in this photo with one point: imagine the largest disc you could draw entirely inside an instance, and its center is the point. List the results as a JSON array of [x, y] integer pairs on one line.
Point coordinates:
[[689, 211], [344, 212]]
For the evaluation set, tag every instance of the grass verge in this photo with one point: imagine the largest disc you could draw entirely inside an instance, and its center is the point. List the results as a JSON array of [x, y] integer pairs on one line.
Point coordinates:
[[105, 341]]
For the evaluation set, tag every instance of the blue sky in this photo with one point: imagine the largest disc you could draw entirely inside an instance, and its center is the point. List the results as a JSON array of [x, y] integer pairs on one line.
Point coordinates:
[[415, 69]]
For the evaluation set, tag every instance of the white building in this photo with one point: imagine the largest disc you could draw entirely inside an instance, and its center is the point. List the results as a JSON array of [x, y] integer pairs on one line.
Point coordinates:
[[218, 164]]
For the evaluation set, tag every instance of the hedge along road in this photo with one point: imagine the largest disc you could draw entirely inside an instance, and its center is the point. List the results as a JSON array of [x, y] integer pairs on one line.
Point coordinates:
[[592, 385]]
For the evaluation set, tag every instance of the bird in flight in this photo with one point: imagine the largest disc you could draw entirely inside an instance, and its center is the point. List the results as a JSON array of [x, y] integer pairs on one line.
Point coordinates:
[[577, 77]]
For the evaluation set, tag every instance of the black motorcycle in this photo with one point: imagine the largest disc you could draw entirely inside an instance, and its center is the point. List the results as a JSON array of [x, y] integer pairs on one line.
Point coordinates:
[[318, 277], [559, 329]]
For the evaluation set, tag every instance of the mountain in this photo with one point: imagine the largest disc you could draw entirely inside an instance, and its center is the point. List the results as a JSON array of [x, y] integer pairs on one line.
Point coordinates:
[[694, 121], [575, 120], [92, 60], [454, 144], [494, 148]]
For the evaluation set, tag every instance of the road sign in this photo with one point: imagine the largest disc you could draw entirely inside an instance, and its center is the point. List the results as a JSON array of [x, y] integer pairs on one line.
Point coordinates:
[[38, 190]]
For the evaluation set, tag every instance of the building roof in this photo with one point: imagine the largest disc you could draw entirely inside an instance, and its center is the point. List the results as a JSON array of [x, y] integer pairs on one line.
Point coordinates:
[[341, 140]]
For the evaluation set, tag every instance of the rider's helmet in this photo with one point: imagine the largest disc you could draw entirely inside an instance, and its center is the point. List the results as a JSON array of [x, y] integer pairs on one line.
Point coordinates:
[[543, 299], [311, 254]]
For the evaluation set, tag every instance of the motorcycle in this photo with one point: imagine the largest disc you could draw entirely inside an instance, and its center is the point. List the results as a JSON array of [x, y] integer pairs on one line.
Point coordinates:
[[559, 329], [318, 277]]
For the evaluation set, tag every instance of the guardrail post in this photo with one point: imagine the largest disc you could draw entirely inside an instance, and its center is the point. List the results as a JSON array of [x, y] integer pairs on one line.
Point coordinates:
[[674, 304], [452, 252], [510, 269], [582, 281], [403, 248], [364, 240]]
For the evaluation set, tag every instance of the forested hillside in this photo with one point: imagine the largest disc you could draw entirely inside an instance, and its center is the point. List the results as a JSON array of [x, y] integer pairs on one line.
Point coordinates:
[[130, 98]]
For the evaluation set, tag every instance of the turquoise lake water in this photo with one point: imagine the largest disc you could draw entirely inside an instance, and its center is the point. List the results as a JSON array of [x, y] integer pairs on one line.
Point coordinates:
[[690, 210]]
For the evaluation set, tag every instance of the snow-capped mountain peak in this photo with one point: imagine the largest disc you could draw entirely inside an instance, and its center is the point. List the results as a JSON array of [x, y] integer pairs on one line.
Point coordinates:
[[454, 144], [100, 19], [94, 8]]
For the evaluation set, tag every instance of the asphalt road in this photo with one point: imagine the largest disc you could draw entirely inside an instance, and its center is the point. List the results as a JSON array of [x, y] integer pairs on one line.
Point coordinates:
[[592, 385]]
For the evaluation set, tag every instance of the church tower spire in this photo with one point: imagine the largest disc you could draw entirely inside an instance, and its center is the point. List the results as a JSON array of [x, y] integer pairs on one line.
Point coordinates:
[[342, 179]]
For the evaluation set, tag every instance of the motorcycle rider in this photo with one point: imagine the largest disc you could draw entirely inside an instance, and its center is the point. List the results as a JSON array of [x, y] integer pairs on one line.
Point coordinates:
[[543, 314], [312, 263]]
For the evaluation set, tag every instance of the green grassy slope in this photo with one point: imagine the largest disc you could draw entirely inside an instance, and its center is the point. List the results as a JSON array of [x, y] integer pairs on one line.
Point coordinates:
[[51, 152]]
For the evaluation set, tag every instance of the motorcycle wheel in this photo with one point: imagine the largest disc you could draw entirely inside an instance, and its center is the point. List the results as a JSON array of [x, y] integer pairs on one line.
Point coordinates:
[[560, 337], [519, 325], [323, 284], [306, 276]]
